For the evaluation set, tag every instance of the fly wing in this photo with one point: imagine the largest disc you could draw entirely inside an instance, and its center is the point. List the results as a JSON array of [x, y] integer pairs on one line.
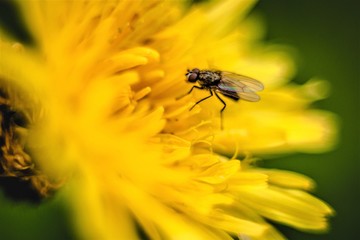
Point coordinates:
[[238, 86], [250, 83]]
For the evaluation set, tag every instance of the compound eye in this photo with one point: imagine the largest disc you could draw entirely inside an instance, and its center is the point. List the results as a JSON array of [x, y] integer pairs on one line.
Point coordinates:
[[195, 70], [192, 77]]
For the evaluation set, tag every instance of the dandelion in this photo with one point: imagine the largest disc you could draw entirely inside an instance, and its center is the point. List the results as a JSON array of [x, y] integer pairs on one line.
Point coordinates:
[[98, 92]]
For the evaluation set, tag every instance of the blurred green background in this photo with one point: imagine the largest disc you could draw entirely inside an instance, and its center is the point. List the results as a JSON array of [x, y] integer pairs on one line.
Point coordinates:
[[326, 36]]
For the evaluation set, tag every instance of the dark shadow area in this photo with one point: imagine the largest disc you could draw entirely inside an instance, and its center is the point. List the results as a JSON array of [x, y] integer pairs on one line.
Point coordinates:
[[19, 190], [10, 20]]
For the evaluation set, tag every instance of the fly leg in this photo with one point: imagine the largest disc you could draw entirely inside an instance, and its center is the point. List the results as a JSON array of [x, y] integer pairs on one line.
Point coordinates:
[[221, 111], [211, 94], [189, 92]]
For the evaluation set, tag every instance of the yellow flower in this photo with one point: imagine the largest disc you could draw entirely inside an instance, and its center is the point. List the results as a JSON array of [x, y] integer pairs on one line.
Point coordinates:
[[103, 78]]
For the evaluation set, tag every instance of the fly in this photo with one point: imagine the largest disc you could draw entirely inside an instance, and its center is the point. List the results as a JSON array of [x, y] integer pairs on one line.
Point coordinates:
[[230, 85]]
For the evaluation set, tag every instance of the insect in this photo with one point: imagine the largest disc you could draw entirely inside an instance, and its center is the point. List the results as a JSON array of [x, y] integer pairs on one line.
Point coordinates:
[[229, 84]]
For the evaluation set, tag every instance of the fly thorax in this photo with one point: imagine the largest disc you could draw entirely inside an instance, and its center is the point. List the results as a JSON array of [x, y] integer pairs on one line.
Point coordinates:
[[209, 78]]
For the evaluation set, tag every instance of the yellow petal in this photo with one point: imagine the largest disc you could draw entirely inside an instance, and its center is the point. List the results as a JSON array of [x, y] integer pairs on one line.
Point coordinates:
[[301, 211], [288, 179]]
